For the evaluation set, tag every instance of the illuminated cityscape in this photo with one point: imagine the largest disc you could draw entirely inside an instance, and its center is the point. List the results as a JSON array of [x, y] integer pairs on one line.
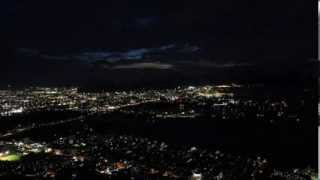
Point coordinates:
[[119, 151]]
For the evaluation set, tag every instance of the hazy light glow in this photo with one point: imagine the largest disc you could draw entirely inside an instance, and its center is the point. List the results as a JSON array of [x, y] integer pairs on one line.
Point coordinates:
[[11, 157]]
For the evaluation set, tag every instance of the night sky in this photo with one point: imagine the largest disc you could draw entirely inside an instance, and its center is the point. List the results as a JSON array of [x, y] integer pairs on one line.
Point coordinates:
[[228, 30]]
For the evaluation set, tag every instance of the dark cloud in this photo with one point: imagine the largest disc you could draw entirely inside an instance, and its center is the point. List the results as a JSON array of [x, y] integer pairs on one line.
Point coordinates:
[[29, 51], [147, 21], [145, 65], [109, 56]]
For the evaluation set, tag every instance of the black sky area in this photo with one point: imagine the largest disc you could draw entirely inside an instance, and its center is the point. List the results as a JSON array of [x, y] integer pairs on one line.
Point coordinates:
[[124, 22], [259, 29]]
